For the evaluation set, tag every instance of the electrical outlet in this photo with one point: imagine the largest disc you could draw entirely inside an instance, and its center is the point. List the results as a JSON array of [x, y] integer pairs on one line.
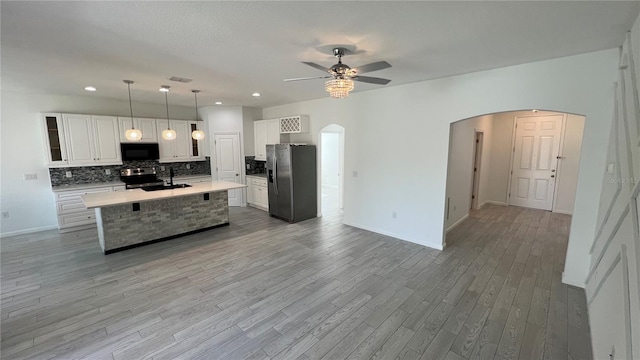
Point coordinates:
[[394, 215], [188, 166], [161, 168], [5, 214], [248, 166], [31, 176], [68, 174], [107, 171]]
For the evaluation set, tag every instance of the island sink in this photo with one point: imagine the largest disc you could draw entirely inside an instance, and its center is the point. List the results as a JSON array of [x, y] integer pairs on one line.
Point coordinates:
[[165, 187]]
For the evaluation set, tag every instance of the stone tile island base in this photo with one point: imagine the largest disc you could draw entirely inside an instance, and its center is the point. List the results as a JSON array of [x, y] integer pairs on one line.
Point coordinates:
[[125, 226]]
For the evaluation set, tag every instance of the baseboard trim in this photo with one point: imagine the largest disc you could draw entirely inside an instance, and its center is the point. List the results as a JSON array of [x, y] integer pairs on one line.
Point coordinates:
[[489, 202], [28, 231], [573, 282], [455, 224], [563, 212], [386, 233]]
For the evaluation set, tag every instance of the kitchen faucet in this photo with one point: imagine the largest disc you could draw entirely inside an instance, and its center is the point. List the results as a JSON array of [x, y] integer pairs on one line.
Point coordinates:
[[171, 176]]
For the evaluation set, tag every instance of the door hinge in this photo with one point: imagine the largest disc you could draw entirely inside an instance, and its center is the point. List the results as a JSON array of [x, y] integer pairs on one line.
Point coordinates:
[[509, 194], [477, 141], [473, 197], [474, 170], [511, 172], [514, 149]]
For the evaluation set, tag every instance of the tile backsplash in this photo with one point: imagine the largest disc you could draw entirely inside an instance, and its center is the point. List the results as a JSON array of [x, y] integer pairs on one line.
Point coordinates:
[[97, 174], [254, 166]]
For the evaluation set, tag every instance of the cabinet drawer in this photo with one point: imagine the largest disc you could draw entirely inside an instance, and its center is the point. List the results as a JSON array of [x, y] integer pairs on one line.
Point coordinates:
[[81, 218], [119, 188], [70, 206], [75, 194], [259, 182]]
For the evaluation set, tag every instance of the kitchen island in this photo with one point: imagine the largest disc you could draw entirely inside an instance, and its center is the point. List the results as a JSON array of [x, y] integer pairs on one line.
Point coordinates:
[[136, 217]]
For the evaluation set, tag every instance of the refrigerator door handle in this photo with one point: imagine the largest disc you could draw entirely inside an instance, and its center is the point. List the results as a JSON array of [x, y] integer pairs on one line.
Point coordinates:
[[275, 174]]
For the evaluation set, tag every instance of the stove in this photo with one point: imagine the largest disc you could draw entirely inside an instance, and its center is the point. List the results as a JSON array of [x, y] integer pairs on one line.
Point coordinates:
[[140, 177]]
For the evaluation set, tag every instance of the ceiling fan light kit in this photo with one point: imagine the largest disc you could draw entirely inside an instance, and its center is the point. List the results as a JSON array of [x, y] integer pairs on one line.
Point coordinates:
[[342, 76]]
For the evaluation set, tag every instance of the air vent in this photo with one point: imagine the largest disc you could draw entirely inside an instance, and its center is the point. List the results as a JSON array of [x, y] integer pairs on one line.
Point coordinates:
[[179, 79]]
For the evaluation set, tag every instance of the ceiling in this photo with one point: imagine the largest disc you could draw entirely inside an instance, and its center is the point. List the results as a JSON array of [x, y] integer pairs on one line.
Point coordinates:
[[232, 49]]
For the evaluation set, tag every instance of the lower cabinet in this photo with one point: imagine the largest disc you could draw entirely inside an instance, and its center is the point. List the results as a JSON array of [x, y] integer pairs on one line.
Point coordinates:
[[71, 209], [257, 193]]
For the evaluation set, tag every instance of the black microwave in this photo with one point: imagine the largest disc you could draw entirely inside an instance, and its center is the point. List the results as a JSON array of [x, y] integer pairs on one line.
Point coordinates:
[[139, 151]]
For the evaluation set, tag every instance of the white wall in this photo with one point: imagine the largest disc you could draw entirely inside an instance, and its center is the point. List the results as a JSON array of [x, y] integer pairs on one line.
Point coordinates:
[[30, 203], [397, 141], [569, 166], [330, 161], [249, 115], [460, 167]]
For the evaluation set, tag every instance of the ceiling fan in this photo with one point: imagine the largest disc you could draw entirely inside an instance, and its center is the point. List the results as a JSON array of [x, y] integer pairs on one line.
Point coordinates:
[[342, 76]]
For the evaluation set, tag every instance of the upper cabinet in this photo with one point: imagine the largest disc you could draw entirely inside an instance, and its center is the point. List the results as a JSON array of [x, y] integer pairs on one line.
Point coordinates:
[[177, 149], [197, 149], [265, 132], [295, 124], [146, 126], [92, 140], [55, 140]]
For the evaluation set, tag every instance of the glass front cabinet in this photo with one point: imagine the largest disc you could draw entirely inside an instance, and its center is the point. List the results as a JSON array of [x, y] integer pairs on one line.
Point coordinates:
[[54, 136]]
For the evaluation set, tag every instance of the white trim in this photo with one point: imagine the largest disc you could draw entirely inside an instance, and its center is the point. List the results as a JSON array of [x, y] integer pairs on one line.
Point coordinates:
[[454, 225], [563, 212], [572, 282], [491, 202], [28, 231], [563, 133], [363, 227]]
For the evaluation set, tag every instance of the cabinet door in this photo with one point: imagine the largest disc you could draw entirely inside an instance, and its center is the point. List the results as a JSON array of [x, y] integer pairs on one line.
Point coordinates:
[[79, 137], [54, 139], [257, 195], [260, 139], [264, 197], [124, 124], [273, 131], [182, 143], [166, 146], [107, 139], [250, 195], [148, 128], [196, 147]]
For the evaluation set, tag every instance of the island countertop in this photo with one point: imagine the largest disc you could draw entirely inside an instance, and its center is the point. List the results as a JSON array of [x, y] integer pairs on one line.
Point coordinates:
[[96, 200]]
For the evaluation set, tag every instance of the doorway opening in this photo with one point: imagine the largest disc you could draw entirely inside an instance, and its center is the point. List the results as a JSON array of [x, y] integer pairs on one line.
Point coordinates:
[[331, 168], [477, 163], [518, 158]]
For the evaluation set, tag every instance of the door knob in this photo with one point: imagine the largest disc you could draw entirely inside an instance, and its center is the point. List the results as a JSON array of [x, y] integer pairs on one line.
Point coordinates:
[[236, 174], [553, 176], [553, 170]]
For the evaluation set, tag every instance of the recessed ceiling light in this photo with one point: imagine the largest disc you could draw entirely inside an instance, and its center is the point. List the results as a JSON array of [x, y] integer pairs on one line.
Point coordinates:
[[164, 88], [256, 94], [90, 88], [218, 102]]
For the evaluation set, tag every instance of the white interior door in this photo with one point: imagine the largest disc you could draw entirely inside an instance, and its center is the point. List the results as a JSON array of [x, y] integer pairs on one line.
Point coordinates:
[[537, 145], [228, 163]]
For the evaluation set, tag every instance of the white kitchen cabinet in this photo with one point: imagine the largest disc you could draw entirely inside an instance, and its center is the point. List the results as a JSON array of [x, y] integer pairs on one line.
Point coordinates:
[[55, 140], [147, 126], [197, 148], [265, 132], [91, 140], [71, 210], [257, 192], [106, 139], [175, 150]]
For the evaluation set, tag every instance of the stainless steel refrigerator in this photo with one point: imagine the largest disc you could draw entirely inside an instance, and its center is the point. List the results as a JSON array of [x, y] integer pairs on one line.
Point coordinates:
[[292, 181]]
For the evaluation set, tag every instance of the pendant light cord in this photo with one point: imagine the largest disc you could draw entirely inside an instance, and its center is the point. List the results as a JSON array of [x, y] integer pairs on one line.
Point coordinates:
[[130, 106], [195, 94], [166, 101]]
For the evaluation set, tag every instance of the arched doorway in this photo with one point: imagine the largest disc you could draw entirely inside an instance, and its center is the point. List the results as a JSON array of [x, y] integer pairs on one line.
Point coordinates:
[[331, 141]]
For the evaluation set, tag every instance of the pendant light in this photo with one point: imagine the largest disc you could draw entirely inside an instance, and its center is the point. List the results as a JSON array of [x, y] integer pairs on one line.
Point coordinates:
[[167, 134], [132, 134], [197, 134]]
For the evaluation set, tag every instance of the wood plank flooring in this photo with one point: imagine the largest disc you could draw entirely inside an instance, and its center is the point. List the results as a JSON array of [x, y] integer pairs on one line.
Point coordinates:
[[265, 289]]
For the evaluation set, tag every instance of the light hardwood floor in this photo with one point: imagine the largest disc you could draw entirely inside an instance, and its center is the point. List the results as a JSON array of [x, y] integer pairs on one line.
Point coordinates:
[[262, 288]]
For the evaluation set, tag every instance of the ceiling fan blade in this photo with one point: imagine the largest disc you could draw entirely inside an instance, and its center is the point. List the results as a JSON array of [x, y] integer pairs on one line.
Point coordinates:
[[371, 80], [307, 78], [319, 67], [373, 67]]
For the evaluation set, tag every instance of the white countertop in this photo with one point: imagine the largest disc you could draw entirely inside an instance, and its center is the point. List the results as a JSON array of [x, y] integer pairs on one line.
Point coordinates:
[[95, 200], [260, 175]]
